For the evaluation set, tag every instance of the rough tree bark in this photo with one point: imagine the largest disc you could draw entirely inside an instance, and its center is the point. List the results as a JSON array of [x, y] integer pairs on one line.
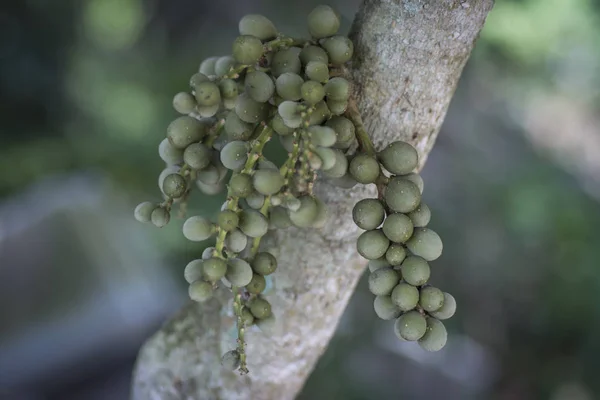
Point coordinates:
[[409, 55]]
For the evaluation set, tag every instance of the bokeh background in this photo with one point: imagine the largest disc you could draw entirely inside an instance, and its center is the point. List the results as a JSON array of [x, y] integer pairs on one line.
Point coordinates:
[[513, 183]]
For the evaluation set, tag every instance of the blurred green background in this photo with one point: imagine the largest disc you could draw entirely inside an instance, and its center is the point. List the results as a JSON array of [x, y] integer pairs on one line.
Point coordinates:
[[513, 184]]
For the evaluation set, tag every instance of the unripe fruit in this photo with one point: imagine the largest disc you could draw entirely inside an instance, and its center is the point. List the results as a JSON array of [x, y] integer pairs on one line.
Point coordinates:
[[257, 284], [364, 168], [240, 185], [372, 244], [323, 21], [259, 86], [374, 265], [197, 228], [402, 195], [382, 281], [306, 214], [405, 296], [174, 185], [385, 309], [313, 53], [322, 217], [236, 241], [395, 254], [290, 111], [247, 317], [223, 65], [339, 49], [288, 86], [170, 154], [279, 218], [368, 214], [399, 158], [285, 61], [197, 156], [425, 243], [234, 155], [322, 135], [200, 291], [337, 89], [253, 223], [267, 181], [340, 167], [184, 131], [160, 217], [208, 94], [207, 67], [398, 227], [343, 127], [236, 129], [193, 271], [210, 189], [228, 220], [415, 271], [312, 92], [279, 126], [249, 110], [255, 200], [320, 113], [239, 272], [420, 216], [260, 308], [410, 326], [247, 49], [264, 263], [448, 308], [229, 89], [231, 360], [197, 79], [257, 25], [214, 269], [184, 103], [337, 107], [431, 298], [327, 156], [416, 179], [435, 336], [143, 211], [317, 71]]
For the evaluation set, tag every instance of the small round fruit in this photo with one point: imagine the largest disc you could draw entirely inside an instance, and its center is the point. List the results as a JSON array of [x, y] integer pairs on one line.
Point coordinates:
[[323, 136], [197, 228], [364, 168], [253, 223], [259, 86], [425, 243], [340, 167], [197, 156], [383, 281], [420, 216], [405, 296], [250, 110], [184, 103], [435, 336], [257, 25], [229, 89], [207, 67], [184, 131], [279, 218], [208, 94], [372, 244], [260, 308], [143, 211], [174, 186], [395, 254], [313, 53], [200, 291], [343, 127], [239, 272], [228, 220], [160, 217], [312, 92], [247, 317], [398, 227], [416, 179], [339, 48], [399, 158], [267, 181], [305, 215], [327, 156], [368, 214], [431, 298], [193, 271], [240, 185], [337, 89], [317, 71], [214, 269], [285, 61], [231, 360], [264, 263], [385, 309], [236, 241], [288, 86], [223, 65], [447, 310], [374, 265], [257, 284], [410, 326], [415, 270], [236, 129], [170, 154], [402, 195], [323, 21], [247, 49], [234, 155]]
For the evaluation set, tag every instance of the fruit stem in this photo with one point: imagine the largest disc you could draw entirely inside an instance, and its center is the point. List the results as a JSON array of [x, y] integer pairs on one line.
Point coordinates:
[[264, 210], [214, 133], [241, 343], [364, 141]]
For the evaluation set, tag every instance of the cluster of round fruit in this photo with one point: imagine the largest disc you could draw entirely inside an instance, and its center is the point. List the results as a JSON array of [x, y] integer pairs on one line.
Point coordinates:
[[400, 246]]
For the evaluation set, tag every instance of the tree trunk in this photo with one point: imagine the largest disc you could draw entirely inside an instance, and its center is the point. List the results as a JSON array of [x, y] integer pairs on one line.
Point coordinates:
[[409, 55]]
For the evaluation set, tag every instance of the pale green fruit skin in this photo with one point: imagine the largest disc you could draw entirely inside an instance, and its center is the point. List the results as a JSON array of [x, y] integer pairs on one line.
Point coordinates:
[[257, 25], [255, 200], [322, 217], [410, 326], [174, 185], [197, 79], [200, 291], [368, 214], [250, 110], [340, 167], [416, 179], [313, 53], [306, 214], [239, 272], [280, 127], [279, 218], [223, 65], [425, 243], [317, 71], [207, 94], [312, 92], [435, 336], [385, 309], [343, 127], [143, 211], [228, 220], [207, 67], [257, 284], [267, 181], [288, 86], [193, 271], [447, 310], [337, 89], [382, 281], [214, 269], [240, 185], [247, 49], [231, 360], [160, 217], [323, 136], [259, 86], [327, 156], [364, 168], [399, 158], [395, 254], [372, 244], [374, 265], [405, 296], [320, 114], [236, 129], [260, 308], [415, 270], [253, 223], [210, 189], [431, 298], [264, 263], [420, 216], [229, 89], [208, 253], [197, 156], [234, 155], [184, 131], [170, 154], [236, 241], [323, 22], [184, 103], [247, 317], [398, 227], [285, 61], [340, 49], [337, 107], [401, 195], [197, 228]]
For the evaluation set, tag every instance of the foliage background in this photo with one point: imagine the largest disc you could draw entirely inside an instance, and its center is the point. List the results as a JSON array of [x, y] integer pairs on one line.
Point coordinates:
[[513, 183]]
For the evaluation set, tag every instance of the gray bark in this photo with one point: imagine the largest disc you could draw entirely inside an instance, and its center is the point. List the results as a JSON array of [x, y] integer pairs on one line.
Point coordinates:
[[409, 57]]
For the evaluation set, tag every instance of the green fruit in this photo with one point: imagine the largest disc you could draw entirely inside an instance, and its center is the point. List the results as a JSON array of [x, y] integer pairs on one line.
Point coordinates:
[[170, 154], [231, 360], [247, 317], [253, 223], [208, 111], [255, 200], [398, 227], [193, 271], [173, 169], [327, 156], [364, 168], [160, 217], [236, 241], [395, 254], [197, 156], [435, 336], [337, 89], [236, 129], [340, 167], [416, 179], [228, 88], [287, 142], [209, 175], [319, 114], [290, 111], [260, 308], [267, 181], [382, 281], [314, 161], [257, 25], [257, 284], [210, 189], [184, 131], [143, 211], [372, 244], [197, 228], [399, 158], [306, 214], [339, 49], [239, 272], [208, 94], [410, 326], [425, 243], [312, 92], [259, 86], [234, 155], [200, 291], [448, 308], [264, 263], [420, 216], [431, 298], [228, 220], [223, 65], [249, 110], [240, 185], [288, 86], [374, 265], [207, 67], [197, 79], [279, 126], [415, 271], [368, 214], [174, 185], [292, 203], [279, 218], [402, 195], [322, 217], [184, 103], [285, 61], [322, 135], [313, 53], [343, 127], [214, 269], [405, 296], [317, 71], [337, 107], [247, 49], [323, 21], [385, 309], [208, 253]]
